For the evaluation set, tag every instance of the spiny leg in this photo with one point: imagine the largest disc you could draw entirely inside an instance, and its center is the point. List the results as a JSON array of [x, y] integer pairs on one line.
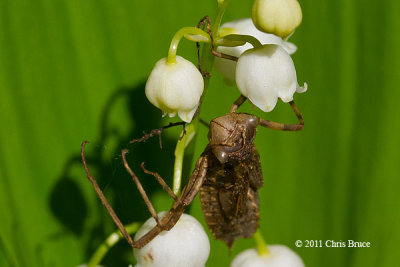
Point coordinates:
[[140, 188], [157, 132], [282, 126], [161, 181], [103, 198], [202, 23], [205, 21], [172, 216], [297, 112], [223, 55], [196, 180], [238, 102]]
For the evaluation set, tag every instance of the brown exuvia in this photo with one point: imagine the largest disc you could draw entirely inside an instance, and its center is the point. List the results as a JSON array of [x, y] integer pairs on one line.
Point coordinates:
[[227, 174], [228, 196]]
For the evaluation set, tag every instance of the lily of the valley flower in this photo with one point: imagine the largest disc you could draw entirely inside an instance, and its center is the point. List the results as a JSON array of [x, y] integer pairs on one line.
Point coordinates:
[[280, 17], [265, 74], [186, 244], [278, 256], [245, 27], [175, 87]]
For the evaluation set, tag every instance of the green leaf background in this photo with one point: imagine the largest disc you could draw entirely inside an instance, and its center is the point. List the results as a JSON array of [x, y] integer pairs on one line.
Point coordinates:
[[75, 70]]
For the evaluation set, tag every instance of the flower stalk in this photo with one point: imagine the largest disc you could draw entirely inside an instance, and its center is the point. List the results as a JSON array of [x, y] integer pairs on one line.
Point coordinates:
[[109, 243], [261, 244], [191, 33], [239, 39], [207, 60], [179, 154]]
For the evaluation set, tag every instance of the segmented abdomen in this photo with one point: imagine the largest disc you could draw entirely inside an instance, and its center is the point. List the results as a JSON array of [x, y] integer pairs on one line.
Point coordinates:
[[229, 198]]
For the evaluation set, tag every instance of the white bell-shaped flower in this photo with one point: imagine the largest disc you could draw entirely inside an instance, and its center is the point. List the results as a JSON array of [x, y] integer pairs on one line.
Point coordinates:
[[245, 27], [185, 245], [280, 17], [278, 256], [175, 87], [263, 74]]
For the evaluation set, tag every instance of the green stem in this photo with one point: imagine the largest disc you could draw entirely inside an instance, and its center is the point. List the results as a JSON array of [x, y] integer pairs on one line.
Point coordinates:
[[207, 60], [109, 243], [184, 32], [218, 18], [261, 245], [179, 154], [239, 39]]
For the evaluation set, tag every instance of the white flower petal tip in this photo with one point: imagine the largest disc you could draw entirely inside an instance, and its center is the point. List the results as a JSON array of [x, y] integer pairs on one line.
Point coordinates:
[[278, 256], [280, 17], [302, 89], [245, 27], [265, 74], [175, 88], [185, 245]]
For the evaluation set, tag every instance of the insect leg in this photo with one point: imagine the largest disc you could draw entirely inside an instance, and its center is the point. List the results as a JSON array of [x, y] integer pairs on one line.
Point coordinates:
[[140, 187], [222, 55], [282, 126], [238, 102], [103, 198], [156, 132], [161, 181], [196, 181], [187, 196], [205, 21]]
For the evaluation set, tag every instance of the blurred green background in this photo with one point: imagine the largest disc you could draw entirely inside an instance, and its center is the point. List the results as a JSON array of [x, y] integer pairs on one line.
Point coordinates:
[[75, 70]]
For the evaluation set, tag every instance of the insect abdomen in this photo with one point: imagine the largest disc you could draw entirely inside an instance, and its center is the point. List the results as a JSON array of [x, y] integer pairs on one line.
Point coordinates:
[[229, 202]]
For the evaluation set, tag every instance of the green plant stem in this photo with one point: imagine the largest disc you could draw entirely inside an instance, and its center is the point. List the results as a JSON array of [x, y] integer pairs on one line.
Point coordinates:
[[179, 154], [261, 245], [184, 32], [207, 60], [239, 38], [109, 243]]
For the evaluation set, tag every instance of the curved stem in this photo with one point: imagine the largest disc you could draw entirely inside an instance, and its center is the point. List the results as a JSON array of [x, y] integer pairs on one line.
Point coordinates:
[[179, 154], [109, 243], [261, 245], [177, 38], [239, 39]]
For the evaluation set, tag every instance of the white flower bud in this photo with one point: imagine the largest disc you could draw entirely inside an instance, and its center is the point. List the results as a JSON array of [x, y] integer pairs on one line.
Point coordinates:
[[175, 87], [280, 17], [266, 73], [245, 27], [278, 256], [185, 245]]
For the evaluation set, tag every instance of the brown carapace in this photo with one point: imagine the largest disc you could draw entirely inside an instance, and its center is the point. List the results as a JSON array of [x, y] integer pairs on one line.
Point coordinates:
[[228, 196], [227, 174]]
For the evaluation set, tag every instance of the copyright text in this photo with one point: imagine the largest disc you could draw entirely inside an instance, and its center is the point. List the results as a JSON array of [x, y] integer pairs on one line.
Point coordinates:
[[332, 244]]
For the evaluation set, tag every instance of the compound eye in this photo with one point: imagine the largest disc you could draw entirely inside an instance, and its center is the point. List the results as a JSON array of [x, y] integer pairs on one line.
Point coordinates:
[[222, 156]]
